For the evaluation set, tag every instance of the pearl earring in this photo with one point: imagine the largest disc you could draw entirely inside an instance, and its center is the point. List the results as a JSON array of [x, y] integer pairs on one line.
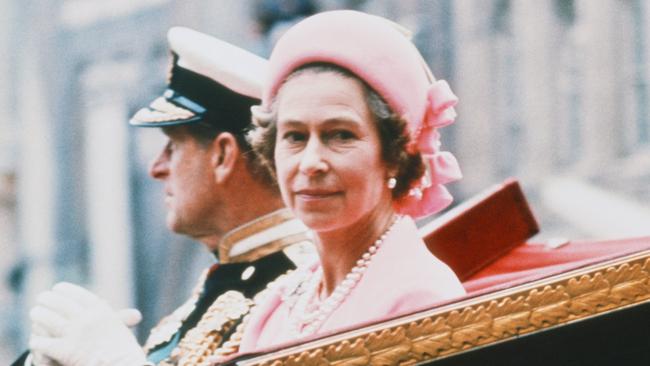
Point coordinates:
[[416, 192], [392, 182]]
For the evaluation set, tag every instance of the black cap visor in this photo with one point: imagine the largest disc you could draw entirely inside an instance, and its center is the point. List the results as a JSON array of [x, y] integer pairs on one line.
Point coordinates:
[[191, 98]]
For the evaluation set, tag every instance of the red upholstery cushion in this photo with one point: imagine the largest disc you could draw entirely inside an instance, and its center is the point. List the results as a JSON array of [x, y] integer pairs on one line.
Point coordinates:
[[528, 262], [482, 229]]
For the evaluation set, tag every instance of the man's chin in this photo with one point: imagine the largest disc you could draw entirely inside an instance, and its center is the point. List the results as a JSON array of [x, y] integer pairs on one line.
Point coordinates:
[[190, 227], [174, 225], [183, 228]]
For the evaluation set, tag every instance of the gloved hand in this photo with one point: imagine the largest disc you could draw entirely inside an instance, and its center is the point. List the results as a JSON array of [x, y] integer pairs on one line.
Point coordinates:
[[74, 327], [36, 358]]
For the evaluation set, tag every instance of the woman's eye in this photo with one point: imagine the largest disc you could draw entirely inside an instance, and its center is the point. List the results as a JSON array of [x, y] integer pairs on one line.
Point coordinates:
[[293, 136], [342, 135]]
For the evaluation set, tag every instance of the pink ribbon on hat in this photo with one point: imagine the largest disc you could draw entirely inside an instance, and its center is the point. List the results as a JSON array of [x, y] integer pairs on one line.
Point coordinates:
[[441, 167]]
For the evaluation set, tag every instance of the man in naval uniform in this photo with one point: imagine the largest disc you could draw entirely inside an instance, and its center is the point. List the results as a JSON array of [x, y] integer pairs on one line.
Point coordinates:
[[216, 192]]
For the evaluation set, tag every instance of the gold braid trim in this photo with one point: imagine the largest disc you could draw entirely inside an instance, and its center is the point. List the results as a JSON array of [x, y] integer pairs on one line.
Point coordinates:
[[231, 346], [249, 229], [169, 325], [491, 318], [160, 110], [201, 341]]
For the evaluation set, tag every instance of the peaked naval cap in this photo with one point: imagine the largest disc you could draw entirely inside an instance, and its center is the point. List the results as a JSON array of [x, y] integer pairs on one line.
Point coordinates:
[[209, 80]]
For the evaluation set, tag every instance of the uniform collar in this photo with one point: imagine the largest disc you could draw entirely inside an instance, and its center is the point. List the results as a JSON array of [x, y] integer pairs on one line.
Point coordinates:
[[265, 235]]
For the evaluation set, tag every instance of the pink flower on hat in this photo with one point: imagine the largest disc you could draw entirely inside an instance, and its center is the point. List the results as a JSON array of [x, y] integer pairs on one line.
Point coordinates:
[[441, 166]]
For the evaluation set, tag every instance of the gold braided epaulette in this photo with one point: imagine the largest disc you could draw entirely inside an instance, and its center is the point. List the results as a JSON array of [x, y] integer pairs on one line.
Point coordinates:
[[169, 325], [201, 341]]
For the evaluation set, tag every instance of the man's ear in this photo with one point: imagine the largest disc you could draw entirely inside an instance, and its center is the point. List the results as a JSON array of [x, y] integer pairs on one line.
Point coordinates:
[[224, 157]]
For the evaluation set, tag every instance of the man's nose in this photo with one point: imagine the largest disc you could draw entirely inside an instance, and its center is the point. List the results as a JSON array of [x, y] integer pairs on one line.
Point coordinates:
[[159, 167]]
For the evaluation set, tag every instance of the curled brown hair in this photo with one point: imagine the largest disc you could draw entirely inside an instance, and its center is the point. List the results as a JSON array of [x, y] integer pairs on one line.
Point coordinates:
[[393, 132]]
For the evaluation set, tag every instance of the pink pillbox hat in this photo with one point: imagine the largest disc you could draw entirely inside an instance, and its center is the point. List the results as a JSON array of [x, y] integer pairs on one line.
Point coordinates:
[[378, 52]]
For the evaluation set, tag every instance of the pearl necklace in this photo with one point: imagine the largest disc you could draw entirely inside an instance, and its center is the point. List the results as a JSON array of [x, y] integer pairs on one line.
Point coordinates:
[[307, 313]]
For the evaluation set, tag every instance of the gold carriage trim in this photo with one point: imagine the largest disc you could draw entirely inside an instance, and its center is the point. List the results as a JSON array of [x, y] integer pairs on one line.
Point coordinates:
[[487, 319], [160, 110]]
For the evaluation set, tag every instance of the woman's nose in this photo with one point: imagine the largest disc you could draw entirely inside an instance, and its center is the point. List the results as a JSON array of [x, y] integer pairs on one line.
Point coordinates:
[[313, 160]]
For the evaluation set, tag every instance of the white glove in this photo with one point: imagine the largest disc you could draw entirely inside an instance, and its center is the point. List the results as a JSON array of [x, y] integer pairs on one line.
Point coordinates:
[[74, 327], [36, 358]]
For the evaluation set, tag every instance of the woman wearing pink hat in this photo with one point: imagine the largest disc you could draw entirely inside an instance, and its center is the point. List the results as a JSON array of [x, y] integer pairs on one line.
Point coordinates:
[[349, 125]]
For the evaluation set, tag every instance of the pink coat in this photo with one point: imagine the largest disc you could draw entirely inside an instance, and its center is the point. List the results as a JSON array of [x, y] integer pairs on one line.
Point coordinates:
[[402, 277]]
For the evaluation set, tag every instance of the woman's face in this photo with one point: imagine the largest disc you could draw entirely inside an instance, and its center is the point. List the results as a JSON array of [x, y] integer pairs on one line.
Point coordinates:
[[328, 153]]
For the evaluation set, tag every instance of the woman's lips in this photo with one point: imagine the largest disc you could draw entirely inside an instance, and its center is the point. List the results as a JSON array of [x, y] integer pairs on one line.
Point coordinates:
[[316, 194]]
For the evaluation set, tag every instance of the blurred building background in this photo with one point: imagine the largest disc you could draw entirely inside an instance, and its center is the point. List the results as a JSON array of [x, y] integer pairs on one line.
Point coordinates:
[[553, 92]]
